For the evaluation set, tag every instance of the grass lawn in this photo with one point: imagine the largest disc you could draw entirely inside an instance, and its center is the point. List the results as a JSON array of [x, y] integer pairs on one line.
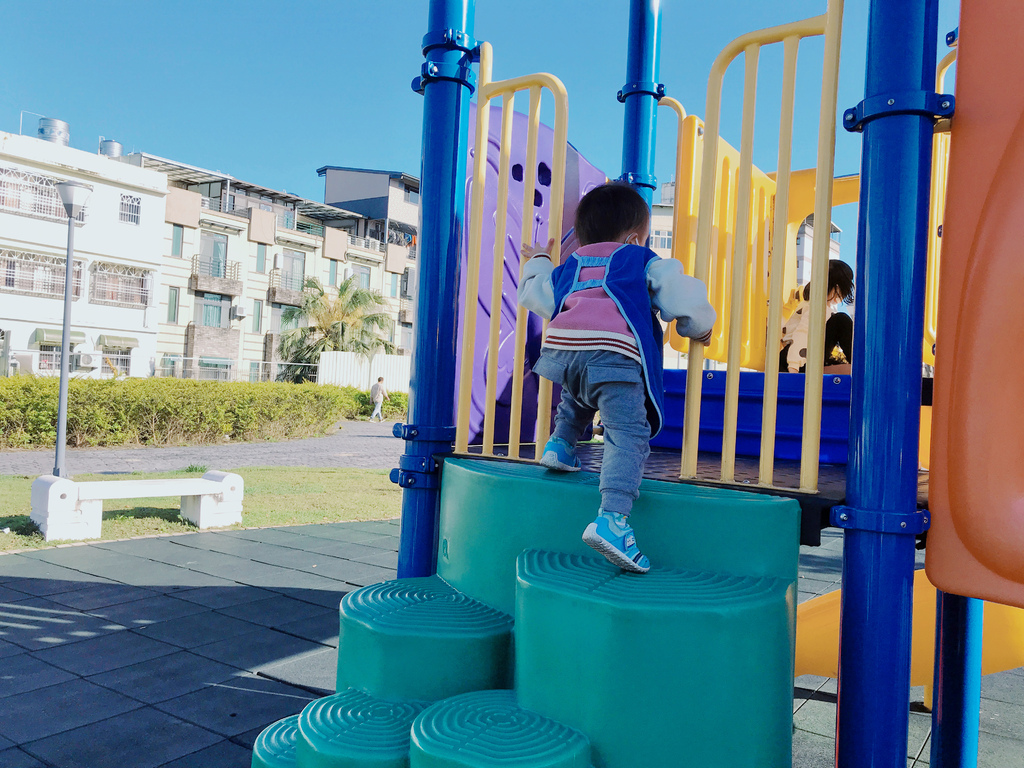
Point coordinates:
[[273, 496]]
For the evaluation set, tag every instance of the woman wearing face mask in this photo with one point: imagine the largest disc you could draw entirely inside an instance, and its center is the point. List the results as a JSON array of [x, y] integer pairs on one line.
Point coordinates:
[[838, 326]]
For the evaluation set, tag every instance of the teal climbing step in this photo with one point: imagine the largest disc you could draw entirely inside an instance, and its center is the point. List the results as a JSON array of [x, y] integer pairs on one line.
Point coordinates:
[[488, 729], [352, 729], [420, 639], [275, 746], [672, 669], [491, 511]]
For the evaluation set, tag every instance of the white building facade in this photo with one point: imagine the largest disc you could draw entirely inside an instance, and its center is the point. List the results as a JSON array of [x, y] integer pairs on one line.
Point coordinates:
[[116, 266]]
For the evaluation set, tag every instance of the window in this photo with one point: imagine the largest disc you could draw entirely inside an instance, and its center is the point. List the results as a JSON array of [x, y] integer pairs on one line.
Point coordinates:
[[412, 196], [30, 194], [116, 361], [172, 305], [254, 371], [257, 316], [277, 322], [362, 275], [34, 274], [119, 285], [261, 257], [131, 209], [332, 272], [293, 269], [214, 369], [177, 234], [49, 358], [213, 254], [407, 285], [213, 310], [396, 281], [661, 239]]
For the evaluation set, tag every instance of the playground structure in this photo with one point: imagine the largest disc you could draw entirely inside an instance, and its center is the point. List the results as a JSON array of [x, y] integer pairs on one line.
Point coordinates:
[[429, 674]]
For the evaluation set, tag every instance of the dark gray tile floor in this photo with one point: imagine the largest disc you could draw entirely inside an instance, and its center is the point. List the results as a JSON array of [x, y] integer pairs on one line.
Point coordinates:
[[175, 652]]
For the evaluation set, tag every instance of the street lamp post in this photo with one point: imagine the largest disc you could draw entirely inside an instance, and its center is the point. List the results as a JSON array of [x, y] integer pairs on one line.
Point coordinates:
[[74, 195]]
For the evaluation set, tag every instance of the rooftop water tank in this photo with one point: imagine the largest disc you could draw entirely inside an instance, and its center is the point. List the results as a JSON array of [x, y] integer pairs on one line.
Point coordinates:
[[57, 131], [111, 148]]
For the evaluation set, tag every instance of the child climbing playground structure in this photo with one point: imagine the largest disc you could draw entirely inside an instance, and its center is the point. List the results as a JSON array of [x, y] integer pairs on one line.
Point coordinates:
[[503, 641]]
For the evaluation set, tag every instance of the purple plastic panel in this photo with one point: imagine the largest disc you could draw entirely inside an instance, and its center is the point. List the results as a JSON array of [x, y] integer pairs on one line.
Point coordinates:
[[581, 177]]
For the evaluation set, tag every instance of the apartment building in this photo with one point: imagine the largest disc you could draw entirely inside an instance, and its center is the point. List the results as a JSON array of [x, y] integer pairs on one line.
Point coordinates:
[[388, 204], [235, 256], [116, 266]]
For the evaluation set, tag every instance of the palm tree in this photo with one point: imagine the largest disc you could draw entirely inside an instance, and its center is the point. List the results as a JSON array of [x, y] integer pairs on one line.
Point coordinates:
[[352, 320]]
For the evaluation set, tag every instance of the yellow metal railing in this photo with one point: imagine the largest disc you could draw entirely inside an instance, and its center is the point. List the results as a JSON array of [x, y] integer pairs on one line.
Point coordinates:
[[506, 90], [732, 190]]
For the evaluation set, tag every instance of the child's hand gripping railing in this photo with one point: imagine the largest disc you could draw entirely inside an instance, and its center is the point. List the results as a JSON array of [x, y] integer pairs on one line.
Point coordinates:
[[507, 90], [829, 25]]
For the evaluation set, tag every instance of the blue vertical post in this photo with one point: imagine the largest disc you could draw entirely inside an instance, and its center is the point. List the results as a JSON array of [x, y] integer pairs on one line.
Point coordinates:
[[446, 83], [640, 94], [881, 480], [956, 711]]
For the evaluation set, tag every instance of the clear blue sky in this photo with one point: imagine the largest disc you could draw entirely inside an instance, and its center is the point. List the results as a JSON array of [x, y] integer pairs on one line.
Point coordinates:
[[270, 91]]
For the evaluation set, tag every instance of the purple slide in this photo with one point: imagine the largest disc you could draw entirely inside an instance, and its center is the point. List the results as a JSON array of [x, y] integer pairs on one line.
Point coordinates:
[[581, 177]]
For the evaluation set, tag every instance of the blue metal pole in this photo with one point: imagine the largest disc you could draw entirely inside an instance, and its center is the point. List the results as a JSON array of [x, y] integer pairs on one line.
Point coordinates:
[[956, 711], [640, 94], [881, 484], [446, 84]]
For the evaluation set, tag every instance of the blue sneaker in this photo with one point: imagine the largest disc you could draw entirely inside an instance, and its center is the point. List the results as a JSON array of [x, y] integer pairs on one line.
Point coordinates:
[[558, 454], [611, 535]]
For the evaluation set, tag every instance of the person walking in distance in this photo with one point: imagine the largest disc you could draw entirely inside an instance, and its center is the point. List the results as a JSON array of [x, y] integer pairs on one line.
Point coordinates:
[[378, 393]]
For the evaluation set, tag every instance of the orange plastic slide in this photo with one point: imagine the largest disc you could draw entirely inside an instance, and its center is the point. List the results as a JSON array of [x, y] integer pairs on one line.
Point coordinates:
[[976, 543]]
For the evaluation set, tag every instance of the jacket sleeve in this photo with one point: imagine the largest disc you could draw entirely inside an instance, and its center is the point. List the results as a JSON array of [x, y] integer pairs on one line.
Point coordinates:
[[536, 291], [682, 298]]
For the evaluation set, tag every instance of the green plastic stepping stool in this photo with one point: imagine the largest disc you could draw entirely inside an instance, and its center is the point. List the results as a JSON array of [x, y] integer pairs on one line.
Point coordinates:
[[488, 729], [275, 746], [670, 669]]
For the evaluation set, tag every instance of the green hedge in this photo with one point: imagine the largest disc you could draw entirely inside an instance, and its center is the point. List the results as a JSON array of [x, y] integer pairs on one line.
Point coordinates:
[[174, 411]]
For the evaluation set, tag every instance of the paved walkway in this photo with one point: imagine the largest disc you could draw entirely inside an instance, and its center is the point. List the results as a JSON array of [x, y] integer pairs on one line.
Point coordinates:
[[363, 444], [175, 652]]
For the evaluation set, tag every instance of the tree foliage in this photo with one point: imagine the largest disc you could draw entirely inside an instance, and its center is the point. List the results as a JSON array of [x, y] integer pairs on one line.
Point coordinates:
[[350, 319]]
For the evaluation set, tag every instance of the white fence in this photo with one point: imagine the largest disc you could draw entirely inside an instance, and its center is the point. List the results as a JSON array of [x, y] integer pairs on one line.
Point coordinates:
[[350, 369]]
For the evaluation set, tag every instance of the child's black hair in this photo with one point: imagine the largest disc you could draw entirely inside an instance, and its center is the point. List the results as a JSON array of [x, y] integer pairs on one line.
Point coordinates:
[[840, 277], [607, 212]]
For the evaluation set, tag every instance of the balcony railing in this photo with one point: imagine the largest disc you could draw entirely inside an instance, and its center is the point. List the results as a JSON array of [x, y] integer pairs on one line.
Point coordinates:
[[296, 224], [31, 194], [119, 286], [210, 203], [291, 281], [367, 244], [228, 270]]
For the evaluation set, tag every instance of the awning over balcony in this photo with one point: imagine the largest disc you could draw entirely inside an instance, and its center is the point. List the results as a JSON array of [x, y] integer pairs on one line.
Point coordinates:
[[54, 336], [117, 342], [220, 362]]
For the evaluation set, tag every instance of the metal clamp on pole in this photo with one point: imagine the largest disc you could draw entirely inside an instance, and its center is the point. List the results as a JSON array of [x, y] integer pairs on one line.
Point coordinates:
[[420, 471], [952, 38], [910, 523], [657, 90], [430, 434], [437, 67], [640, 180], [927, 103]]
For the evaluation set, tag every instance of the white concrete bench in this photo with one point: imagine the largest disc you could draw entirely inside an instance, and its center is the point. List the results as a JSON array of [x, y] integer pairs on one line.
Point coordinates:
[[64, 509]]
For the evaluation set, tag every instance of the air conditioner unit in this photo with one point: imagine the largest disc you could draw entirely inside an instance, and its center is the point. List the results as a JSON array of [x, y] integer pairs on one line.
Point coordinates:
[[89, 359], [239, 312], [27, 363]]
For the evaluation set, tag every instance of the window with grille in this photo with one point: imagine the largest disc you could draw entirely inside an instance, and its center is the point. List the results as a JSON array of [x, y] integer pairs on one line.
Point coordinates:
[[49, 358], [35, 274], [131, 209], [119, 285], [116, 361], [661, 239], [31, 194]]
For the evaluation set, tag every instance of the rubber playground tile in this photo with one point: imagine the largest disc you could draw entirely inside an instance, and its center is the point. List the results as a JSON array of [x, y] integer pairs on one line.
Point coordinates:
[[58, 708], [101, 595], [165, 677], [999, 751], [102, 654], [918, 730], [317, 672], [223, 754], [924, 756], [159, 737], [363, 574], [26, 673], [385, 559], [1003, 686], [257, 649], [16, 758], [168, 552], [343, 533], [22, 571], [286, 579], [1002, 718], [223, 597], [151, 610], [276, 611], [227, 545], [281, 536], [322, 628], [9, 649], [326, 598], [198, 629], [238, 706], [5, 744], [39, 623], [8, 595], [818, 717], [811, 750]]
